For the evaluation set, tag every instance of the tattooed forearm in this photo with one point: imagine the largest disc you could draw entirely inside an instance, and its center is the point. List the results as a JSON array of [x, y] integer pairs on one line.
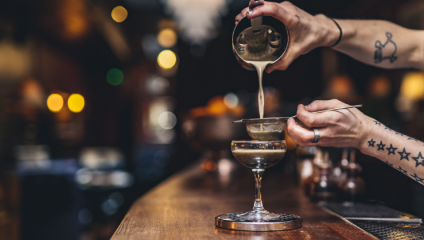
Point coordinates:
[[404, 155], [419, 160], [386, 50], [402, 170], [393, 148], [381, 146]]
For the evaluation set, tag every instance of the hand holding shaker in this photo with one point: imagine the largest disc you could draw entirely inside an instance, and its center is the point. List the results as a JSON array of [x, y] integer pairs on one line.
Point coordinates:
[[262, 38]]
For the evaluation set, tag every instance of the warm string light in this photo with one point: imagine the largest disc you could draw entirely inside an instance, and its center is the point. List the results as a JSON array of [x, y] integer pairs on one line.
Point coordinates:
[[167, 38], [76, 103], [119, 14], [55, 102], [167, 59]]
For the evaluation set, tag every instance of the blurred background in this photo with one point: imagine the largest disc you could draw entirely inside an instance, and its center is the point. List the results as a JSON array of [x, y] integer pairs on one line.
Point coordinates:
[[102, 100]]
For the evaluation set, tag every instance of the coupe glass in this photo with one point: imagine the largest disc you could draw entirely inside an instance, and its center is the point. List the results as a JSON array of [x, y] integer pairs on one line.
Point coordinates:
[[258, 155]]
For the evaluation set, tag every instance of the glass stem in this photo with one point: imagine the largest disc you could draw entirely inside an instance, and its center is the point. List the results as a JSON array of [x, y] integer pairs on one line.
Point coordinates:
[[258, 206]]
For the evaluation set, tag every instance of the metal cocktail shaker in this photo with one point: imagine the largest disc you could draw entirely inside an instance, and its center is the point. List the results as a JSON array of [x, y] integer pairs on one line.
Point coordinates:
[[259, 39]]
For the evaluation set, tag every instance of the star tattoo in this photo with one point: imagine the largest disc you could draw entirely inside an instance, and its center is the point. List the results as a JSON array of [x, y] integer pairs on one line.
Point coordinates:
[[391, 165], [402, 170], [391, 150], [381, 146], [388, 128], [371, 143], [412, 139], [419, 159], [398, 133], [404, 155], [377, 122], [418, 179]]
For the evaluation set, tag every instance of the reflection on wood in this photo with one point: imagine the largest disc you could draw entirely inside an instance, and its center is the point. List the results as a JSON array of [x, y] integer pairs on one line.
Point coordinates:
[[185, 206]]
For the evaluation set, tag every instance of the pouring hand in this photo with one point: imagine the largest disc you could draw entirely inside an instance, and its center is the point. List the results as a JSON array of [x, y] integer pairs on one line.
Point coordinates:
[[307, 32], [343, 128]]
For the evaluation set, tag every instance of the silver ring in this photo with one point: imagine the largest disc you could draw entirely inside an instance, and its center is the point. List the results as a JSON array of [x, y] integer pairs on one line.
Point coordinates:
[[316, 135]]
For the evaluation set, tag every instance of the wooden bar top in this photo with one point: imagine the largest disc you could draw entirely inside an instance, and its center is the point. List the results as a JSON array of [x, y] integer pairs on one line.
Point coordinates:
[[185, 205]]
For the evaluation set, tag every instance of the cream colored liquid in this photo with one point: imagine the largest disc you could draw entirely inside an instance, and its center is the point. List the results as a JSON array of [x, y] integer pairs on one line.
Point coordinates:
[[264, 135], [259, 158], [260, 68]]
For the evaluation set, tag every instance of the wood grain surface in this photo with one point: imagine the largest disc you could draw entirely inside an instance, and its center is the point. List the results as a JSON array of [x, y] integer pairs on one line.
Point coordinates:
[[185, 205]]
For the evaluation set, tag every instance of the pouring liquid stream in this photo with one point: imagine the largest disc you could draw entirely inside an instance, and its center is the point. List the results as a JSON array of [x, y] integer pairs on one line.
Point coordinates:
[[260, 68]]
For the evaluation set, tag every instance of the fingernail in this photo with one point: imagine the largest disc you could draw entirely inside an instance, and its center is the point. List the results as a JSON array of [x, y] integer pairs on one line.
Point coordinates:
[[307, 107], [250, 13]]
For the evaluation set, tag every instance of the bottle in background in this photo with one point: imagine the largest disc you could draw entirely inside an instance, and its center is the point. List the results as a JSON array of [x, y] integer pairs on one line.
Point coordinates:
[[352, 188]]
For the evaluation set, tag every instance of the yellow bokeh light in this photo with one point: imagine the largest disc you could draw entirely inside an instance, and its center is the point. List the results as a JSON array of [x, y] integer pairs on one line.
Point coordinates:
[[76, 103], [55, 102], [119, 14], [167, 59], [167, 38], [413, 85]]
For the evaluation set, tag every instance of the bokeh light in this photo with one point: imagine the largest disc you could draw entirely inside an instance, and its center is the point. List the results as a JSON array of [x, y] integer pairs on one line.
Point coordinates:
[[413, 85], [167, 120], [231, 100], [119, 14], [167, 59], [55, 102], [76, 103], [114, 76], [167, 38]]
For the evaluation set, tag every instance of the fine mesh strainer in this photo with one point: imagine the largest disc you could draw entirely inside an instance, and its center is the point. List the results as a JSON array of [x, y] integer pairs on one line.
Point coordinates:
[[264, 129]]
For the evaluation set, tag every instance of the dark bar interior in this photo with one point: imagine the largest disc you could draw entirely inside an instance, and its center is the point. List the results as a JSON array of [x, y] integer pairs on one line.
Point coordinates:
[[104, 102]]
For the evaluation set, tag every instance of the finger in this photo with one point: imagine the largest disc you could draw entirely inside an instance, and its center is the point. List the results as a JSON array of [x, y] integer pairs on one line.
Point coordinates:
[[318, 119], [324, 105], [255, 3], [274, 10], [282, 64], [242, 14], [299, 134]]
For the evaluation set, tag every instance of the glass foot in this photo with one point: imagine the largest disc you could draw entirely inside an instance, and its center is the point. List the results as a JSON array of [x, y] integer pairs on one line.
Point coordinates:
[[258, 221]]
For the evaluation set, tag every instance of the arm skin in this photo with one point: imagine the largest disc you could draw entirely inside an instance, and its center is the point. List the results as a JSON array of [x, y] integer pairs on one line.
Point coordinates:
[[351, 128], [364, 40]]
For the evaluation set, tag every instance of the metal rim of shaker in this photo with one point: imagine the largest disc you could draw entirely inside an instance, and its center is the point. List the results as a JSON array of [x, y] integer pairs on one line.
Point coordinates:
[[276, 60]]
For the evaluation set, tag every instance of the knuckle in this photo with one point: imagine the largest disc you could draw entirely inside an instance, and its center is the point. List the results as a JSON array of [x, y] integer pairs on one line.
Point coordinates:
[[274, 9], [290, 129], [309, 121], [317, 103], [287, 3], [292, 21], [337, 118], [306, 138]]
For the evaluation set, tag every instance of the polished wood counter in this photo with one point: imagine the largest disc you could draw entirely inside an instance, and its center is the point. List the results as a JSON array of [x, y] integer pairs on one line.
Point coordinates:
[[185, 205]]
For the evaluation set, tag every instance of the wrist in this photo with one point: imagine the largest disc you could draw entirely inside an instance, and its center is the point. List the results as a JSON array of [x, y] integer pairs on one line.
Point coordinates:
[[330, 32], [365, 135]]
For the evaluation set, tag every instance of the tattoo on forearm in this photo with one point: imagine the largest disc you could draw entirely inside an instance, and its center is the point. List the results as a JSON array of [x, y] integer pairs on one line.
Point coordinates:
[[409, 138], [371, 143], [419, 160], [404, 155], [377, 122], [391, 150], [378, 54], [418, 179], [402, 170], [381, 146]]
